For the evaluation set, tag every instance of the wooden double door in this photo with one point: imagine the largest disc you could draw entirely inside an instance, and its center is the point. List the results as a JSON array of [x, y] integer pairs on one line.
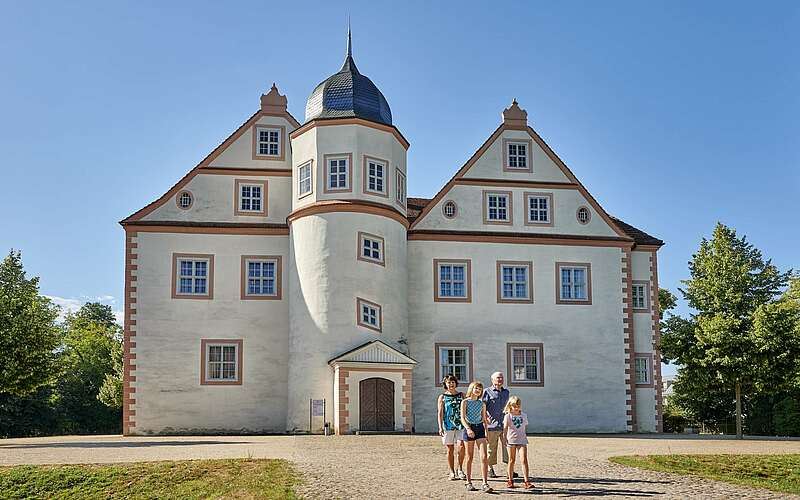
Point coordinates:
[[376, 404]]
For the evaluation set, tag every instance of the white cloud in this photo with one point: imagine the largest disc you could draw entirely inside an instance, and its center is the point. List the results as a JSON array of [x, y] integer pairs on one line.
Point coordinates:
[[70, 305]]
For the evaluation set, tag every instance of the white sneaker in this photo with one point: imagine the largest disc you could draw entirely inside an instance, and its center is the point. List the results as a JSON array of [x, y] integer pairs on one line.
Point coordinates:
[[453, 476], [461, 475]]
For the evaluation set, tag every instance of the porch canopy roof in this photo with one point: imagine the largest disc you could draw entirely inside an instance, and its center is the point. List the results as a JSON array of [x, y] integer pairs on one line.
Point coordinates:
[[373, 354]]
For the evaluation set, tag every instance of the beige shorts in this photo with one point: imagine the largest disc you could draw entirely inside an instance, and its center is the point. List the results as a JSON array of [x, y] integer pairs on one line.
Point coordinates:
[[450, 437]]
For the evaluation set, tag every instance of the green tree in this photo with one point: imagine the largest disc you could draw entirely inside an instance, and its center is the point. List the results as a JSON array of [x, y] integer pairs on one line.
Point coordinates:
[[666, 301], [739, 329], [91, 348], [29, 334]]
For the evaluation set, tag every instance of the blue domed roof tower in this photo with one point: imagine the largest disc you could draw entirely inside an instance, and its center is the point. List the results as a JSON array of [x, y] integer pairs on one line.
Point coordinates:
[[348, 94]]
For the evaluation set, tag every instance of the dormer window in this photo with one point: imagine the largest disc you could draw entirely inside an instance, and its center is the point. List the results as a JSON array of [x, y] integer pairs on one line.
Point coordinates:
[[375, 176], [268, 142], [517, 155]]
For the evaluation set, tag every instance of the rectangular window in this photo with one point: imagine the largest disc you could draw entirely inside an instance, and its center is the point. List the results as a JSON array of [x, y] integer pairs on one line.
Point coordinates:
[[539, 209], [338, 176], [192, 276], [268, 142], [514, 282], [643, 367], [497, 207], [526, 364], [375, 176], [400, 194], [369, 314], [261, 277], [370, 248], [304, 178], [573, 283], [251, 197], [517, 155], [454, 359], [452, 282], [221, 362], [640, 291]]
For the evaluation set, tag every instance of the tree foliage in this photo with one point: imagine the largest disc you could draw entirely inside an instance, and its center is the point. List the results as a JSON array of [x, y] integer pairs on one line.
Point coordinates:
[[666, 301], [83, 398], [743, 331], [29, 334]]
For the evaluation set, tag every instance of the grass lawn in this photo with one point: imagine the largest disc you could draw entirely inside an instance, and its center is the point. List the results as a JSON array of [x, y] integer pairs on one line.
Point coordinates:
[[241, 479], [773, 472]]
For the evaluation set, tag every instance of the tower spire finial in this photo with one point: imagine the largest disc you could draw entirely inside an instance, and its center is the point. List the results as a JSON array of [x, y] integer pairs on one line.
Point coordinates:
[[349, 39]]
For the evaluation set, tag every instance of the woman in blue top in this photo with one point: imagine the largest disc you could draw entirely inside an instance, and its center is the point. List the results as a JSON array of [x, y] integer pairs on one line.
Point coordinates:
[[450, 426], [473, 417]]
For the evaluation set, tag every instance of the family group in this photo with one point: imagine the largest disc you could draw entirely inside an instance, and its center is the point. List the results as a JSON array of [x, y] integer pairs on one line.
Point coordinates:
[[483, 417]]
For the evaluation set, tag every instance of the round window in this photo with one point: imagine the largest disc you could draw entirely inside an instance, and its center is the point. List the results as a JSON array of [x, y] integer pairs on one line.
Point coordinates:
[[584, 215], [450, 209], [185, 200]]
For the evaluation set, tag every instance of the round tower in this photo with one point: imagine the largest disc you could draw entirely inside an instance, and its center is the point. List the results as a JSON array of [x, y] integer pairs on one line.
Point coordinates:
[[347, 257]]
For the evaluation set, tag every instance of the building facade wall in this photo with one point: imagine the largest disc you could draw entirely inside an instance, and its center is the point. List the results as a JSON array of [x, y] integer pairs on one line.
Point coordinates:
[[169, 395], [584, 360], [214, 199]]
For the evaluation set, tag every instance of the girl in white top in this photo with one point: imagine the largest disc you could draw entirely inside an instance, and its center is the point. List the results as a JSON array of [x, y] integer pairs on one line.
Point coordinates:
[[515, 426]]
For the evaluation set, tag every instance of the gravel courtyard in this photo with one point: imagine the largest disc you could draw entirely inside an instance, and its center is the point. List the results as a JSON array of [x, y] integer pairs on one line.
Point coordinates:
[[414, 466]]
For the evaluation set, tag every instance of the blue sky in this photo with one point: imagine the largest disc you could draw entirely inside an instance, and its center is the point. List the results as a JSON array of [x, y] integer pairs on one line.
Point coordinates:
[[675, 115]]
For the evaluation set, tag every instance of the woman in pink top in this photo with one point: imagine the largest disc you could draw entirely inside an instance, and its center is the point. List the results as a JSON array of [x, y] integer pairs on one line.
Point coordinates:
[[515, 425]]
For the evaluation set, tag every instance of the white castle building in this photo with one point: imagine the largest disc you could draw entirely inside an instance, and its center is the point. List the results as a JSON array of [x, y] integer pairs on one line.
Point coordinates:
[[287, 280]]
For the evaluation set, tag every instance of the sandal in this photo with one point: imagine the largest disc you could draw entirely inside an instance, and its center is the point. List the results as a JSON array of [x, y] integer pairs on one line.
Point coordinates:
[[510, 484], [527, 485]]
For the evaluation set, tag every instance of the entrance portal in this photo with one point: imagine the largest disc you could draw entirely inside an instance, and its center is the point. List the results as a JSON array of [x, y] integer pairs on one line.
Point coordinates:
[[376, 404]]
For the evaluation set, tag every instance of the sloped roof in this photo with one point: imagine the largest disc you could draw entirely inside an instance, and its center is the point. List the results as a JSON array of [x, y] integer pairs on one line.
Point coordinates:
[[374, 351]]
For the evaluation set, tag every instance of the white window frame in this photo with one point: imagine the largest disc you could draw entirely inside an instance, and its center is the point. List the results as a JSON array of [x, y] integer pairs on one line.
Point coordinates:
[[275, 279], [571, 267], [208, 363], [269, 142], [645, 359], [530, 351], [451, 281], [193, 277], [370, 176], [526, 284], [444, 209], [250, 197], [303, 178], [516, 157], [497, 196], [640, 295], [444, 367], [588, 213], [547, 211], [373, 240], [369, 314], [179, 200], [330, 175], [400, 187]]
